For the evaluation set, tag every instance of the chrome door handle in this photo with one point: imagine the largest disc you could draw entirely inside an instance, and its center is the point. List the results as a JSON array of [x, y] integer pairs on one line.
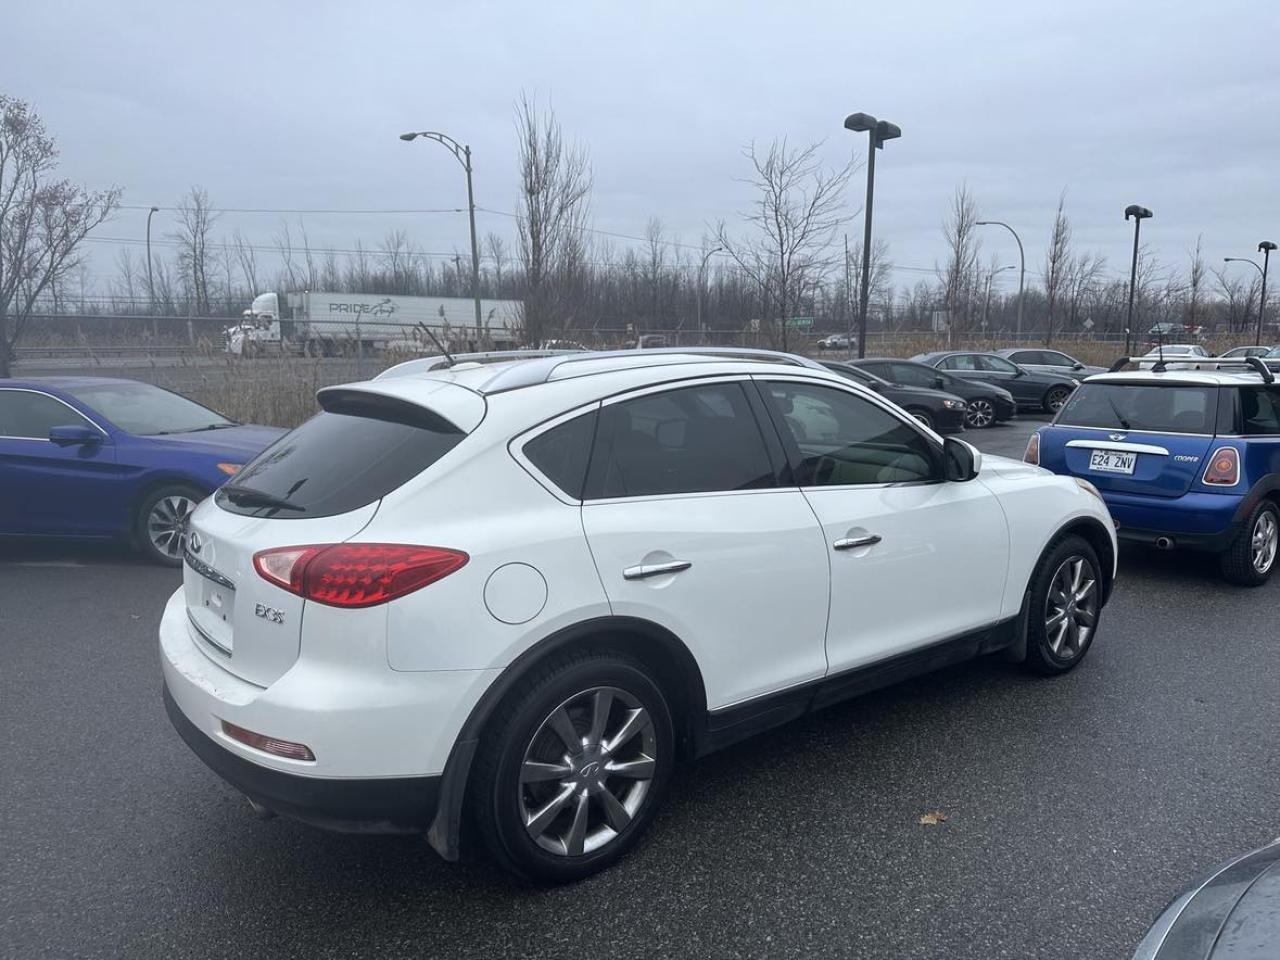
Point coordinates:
[[848, 543], [645, 570]]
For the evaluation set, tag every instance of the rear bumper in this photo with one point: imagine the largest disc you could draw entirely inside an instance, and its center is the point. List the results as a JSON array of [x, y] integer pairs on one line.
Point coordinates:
[[393, 805], [1194, 521]]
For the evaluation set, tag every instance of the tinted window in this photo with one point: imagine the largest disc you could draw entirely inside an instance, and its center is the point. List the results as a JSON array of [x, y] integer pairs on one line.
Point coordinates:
[[1259, 410], [964, 361], [31, 415], [1053, 359], [562, 452], [845, 439], [1127, 406], [995, 364], [146, 410], [692, 440], [914, 376], [1031, 356], [336, 462]]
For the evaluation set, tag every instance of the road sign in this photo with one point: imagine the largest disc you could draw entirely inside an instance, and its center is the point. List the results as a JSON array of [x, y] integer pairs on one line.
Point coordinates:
[[800, 323]]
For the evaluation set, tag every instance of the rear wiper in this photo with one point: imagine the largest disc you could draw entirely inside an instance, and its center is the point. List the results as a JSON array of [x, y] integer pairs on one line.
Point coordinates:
[[1124, 424], [249, 497]]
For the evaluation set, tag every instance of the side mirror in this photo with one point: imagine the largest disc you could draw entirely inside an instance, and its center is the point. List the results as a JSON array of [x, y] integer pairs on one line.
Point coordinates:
[[1077, 365], [939, 383], [73, 434], [1020, 373], [963, 461]]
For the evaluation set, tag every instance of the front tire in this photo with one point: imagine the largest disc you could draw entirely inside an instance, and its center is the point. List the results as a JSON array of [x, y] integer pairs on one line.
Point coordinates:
[[573, 767], [160, 527], [1055, 398], [1251, 558], [980, 413], [922, 417], [1065, 599]]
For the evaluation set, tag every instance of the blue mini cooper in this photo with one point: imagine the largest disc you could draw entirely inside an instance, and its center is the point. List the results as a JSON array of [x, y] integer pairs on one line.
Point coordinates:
[[1185, 457]]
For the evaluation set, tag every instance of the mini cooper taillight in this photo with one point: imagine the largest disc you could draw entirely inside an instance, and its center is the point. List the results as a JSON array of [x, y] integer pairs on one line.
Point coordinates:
[[356, 574], [1224, 468], [1032, 454]]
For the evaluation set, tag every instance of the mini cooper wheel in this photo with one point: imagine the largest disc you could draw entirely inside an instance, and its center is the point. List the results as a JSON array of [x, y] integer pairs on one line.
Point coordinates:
[[574, 767], [1251, 558], [980, 413], [1055, 398], [160, 528], [1064, 603]]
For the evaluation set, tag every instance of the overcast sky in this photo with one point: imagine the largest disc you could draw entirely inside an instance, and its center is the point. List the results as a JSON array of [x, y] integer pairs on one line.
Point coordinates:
[[297, 105]]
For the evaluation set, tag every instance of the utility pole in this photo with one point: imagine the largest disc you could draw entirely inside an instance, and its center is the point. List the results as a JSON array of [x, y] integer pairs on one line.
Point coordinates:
[[151, 286]]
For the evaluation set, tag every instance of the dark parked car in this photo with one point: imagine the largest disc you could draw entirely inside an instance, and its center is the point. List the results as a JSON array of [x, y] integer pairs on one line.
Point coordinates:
[[943, 412], [1231, 914], [986, 404], [1039, 360], [1032, 391], [98, 457]]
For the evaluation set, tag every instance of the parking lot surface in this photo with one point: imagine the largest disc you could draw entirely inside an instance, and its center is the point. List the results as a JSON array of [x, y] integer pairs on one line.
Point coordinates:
[[1075, 808]]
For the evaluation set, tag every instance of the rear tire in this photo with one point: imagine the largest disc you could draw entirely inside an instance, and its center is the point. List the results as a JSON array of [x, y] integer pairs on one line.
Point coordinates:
[[160, 526], [1251, 558], [1055, 398], [573, 766], [1063, 607]]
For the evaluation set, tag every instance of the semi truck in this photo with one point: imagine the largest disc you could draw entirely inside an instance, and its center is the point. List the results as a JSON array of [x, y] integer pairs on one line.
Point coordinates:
[[317, 323]]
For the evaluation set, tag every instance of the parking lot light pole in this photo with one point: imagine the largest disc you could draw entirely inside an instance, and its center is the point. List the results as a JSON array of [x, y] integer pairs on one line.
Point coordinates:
[[702, 279], [879, 131], [462, 153], [986, 303], [1265, 249], [1022, 267], [1139, 214], [151, 286]]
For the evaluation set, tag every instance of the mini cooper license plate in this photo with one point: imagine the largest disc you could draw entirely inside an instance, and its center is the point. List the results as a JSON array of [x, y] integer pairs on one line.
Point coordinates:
[[1112, 461]]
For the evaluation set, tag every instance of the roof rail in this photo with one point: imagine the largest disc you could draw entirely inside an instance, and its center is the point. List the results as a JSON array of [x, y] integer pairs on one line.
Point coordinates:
[[1160, 365], [541, 370], [441, 362]]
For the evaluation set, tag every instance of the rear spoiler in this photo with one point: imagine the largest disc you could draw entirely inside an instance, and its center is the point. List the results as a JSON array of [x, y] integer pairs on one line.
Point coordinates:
[[1160, 364]]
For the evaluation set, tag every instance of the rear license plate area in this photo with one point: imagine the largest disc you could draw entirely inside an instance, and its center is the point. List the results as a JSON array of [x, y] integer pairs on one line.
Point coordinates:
[[1112, 461]]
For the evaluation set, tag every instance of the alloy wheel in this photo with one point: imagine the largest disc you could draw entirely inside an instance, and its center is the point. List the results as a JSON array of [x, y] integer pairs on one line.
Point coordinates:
[[587, 771], [1057, 397], [1264, 540], [980, 413], [167, 524], [1071, 608]]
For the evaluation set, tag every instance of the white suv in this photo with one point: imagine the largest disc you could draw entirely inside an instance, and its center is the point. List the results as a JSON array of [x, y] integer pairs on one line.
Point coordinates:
[[525, 589]]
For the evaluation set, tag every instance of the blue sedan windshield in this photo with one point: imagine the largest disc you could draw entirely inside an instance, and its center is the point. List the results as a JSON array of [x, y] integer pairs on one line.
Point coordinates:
[[146, 410]]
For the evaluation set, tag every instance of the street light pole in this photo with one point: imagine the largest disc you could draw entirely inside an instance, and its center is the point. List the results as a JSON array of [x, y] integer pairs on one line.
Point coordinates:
[[878, 132], [1022, 263], [1265, 248], [151, 287], [462, 153], [986, 303], [702, 274], [1139, 214]]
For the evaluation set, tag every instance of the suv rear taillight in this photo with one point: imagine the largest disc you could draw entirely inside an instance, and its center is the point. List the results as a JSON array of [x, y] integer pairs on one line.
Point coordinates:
[[356, 574], [1032, 454], [1224, 468]]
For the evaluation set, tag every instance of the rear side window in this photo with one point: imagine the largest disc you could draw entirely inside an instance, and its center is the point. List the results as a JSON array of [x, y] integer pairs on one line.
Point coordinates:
[[30, 416], [338, 461], [1158, 408], [562, 453], [691, 440], [1259, 411]]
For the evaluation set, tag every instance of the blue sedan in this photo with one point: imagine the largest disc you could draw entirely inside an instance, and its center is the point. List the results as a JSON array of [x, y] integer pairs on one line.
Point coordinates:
[[98, 457]]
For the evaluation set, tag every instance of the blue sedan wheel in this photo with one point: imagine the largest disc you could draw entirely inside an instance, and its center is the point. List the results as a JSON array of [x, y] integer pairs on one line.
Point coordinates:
[[162, 523]]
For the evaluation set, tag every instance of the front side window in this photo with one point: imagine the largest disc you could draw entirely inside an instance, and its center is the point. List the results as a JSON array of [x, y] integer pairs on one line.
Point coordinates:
[[963, 361], [995, 364], [691, 440], [914, 376], [30, 416], [1259, 411], [844, 439], [1056, 359]]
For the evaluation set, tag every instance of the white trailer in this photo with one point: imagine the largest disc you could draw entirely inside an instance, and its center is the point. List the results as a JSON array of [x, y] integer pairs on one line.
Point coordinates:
[[321, 324]]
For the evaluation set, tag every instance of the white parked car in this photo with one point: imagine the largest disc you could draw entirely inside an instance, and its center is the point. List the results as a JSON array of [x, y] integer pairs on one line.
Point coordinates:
[[526, 589], [1175, 354]]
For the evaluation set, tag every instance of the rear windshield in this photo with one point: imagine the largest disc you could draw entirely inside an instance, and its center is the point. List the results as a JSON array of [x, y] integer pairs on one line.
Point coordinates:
[[1160, 408], [337, 462]]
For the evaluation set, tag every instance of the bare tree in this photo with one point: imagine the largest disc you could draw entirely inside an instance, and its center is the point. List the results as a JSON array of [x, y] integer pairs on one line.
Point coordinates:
[[790, 249], [1057, 264], [248, 262], [1085, 277], [555, 192], [195, 224], [960, 275], [1195, 290], [1239, 296], [42, 220], [496, 250]]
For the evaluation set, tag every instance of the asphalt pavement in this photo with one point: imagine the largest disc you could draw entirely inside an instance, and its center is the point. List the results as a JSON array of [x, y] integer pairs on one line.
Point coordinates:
[[1075, 807]]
